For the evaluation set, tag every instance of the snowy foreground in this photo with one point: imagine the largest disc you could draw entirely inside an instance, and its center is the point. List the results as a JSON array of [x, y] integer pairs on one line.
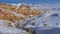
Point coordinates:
[[49, 24], [9, 30]]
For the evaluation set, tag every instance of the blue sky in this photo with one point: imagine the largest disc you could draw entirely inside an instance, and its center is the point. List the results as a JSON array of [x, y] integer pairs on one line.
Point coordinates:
[[32, 1]]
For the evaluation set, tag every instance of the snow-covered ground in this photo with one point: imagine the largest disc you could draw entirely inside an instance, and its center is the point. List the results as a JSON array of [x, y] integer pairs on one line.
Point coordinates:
[[47, 22], [9, 30]]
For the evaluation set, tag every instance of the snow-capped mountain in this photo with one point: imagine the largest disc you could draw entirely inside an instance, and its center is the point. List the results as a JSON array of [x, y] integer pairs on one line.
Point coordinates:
[[34, 17]]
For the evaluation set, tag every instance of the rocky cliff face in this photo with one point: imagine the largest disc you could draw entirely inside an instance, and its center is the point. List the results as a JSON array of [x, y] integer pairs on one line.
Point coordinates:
[[15, 13], [25, 10]]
